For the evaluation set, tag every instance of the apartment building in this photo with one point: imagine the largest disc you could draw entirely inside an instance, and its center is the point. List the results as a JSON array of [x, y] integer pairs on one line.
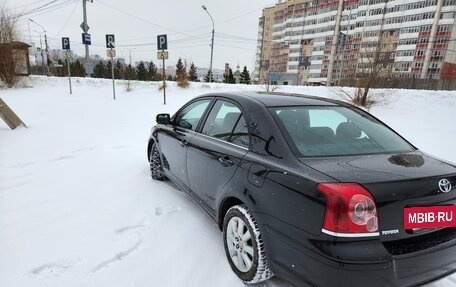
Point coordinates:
[[330, 41]]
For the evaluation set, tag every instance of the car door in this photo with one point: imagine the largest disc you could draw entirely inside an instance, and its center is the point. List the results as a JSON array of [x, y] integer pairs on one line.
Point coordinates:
[[173, 142], [215, 153]]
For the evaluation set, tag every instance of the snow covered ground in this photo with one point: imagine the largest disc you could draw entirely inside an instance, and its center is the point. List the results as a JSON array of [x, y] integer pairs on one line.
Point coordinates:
[[77, 204]]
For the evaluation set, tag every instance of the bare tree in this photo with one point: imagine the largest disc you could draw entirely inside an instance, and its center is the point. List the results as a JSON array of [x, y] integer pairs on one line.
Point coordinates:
[[8, 59], [374, 62]]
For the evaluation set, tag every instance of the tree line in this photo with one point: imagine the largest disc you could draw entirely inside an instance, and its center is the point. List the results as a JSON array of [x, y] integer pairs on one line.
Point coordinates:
[[143, 71]]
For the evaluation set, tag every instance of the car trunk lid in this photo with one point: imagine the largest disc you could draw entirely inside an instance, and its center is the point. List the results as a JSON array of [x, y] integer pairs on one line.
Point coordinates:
[[397, 183]]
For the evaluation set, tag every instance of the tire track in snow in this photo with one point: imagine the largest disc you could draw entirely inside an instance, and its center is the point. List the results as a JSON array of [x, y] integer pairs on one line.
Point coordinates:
[[31, 163]]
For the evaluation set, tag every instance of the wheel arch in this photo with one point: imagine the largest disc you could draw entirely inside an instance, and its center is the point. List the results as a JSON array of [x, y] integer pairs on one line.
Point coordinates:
[[226, 204]]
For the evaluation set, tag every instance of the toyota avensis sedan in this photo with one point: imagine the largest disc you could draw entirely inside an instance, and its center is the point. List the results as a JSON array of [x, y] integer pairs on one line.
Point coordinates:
[[313, 190]]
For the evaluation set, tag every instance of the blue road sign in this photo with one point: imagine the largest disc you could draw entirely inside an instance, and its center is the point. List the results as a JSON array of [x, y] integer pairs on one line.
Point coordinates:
[[86, 40], [110, 42], [65, 43], [162, 42]]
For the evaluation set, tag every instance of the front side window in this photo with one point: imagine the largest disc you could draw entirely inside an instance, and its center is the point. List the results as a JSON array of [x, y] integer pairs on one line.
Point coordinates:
[[189, 117], [226, 122], [337, 131]]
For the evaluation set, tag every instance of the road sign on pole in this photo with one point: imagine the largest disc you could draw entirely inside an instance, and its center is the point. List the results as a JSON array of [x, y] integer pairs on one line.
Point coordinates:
[[67, 56], [111, 53], [110, 42], [86, 40], [162, 55], [162, 42], [84, 26], [65, 43], [162, 45]]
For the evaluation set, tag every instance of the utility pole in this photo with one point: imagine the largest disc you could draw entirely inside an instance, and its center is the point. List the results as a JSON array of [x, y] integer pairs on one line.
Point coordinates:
[[43, 65], [430, 45], [329, 80], [260, 73], [85, 27], [341, 64], [47, 53], [42, 54]]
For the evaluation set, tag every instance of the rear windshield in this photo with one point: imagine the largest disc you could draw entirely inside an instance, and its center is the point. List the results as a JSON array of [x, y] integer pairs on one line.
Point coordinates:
[[336, 131]]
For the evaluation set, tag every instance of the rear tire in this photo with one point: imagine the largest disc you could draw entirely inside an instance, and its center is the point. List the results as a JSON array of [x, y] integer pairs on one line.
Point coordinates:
[[244, 246], [156, 168]]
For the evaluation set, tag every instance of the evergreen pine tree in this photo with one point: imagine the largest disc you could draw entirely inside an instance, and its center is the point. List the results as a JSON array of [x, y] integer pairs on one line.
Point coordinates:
[[108, 70], [61, 71], [225, 77], [77, 70], [209, 77], [99, 70], [192, 74], [181, 73], [118, 70], [141, 71], [245, 76], [130, 73], [231, 79], [152, 72], [65, 68]]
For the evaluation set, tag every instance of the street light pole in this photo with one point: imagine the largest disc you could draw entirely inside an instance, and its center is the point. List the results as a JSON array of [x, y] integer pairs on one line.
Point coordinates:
[[46, 70], [212, 44]]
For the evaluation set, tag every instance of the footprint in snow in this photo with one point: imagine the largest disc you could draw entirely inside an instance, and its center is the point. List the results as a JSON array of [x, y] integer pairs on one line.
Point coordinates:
[[166, 210], [117, 257], [124, 229], [56, 268], [64, 157]]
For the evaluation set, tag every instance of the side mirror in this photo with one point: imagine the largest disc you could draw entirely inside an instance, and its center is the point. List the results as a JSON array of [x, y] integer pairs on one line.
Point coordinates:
[[163, 119]]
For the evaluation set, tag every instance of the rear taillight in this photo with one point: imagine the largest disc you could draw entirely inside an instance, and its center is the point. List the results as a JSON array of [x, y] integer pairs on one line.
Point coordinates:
[[350, 210]]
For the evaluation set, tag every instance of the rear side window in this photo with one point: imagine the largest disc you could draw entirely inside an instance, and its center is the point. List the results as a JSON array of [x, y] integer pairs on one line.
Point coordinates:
[[226, 122], [337, 131], [189, 117]]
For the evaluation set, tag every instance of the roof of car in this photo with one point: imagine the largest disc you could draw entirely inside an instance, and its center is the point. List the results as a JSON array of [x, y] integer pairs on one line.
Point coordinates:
[[272, 99]]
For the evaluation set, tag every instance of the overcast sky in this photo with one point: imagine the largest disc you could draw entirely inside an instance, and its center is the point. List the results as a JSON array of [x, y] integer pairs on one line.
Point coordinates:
[[136, 24]]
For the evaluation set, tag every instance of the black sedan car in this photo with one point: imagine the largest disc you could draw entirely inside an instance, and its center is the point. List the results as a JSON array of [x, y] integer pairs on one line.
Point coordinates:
[[315, 191]]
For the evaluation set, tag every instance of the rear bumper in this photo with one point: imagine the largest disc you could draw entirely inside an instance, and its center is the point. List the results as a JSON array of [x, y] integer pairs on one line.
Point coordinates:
[[319, 265], [426, 266]]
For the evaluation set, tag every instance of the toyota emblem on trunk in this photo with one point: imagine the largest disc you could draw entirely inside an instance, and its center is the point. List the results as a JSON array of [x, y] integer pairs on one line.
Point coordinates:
[[445, 185]]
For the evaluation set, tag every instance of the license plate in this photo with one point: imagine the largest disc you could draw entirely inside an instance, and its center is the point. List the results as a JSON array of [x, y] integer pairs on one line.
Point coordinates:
[[430, 216]]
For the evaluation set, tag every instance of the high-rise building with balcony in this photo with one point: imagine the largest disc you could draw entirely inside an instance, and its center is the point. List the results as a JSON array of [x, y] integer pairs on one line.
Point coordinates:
[[333, 41]]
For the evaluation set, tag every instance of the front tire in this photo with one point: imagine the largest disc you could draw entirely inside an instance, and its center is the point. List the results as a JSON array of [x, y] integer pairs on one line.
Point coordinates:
[[244, 246], [156, 168]]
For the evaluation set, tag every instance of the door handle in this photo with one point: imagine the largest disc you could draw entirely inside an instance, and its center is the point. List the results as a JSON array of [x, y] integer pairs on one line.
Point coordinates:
[[225, 161], [183, 143]]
